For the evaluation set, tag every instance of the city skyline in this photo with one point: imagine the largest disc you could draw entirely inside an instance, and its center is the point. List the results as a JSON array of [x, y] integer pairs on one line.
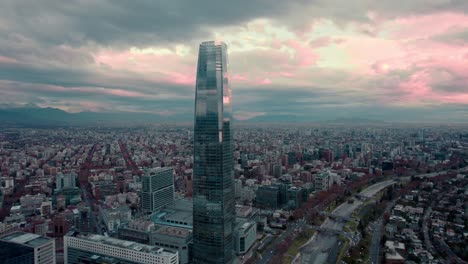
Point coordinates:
[[386, 60]]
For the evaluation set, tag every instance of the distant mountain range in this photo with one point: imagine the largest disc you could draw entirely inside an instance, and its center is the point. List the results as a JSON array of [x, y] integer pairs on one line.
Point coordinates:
[[30, 115], [308, 119], [354, 120], [33, 116]]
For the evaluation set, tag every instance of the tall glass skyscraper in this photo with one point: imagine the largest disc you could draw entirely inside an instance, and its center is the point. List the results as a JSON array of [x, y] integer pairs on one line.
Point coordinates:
[[213, 175]]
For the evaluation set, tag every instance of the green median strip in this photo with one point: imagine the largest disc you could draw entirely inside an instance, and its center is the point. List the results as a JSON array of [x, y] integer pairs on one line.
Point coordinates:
[[343, 249], [296, 245]]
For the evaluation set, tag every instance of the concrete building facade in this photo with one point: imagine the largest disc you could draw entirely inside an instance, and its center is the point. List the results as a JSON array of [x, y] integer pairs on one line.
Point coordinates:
[[101, 249]]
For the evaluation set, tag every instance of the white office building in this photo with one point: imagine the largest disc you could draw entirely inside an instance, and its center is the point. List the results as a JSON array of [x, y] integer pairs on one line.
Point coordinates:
[[325, 179], [245, 235], [102, 249]]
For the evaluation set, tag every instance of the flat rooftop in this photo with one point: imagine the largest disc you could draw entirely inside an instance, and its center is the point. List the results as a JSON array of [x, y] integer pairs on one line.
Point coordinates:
[[174, 231], [125, 244], [182, 204], [177, 214], [243, 224], [242, 209], [27, 239], [154, 171]]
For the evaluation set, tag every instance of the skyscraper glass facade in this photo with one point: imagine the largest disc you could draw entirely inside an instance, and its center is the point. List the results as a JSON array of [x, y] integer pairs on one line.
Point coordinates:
[[213, 188], [157, 188]]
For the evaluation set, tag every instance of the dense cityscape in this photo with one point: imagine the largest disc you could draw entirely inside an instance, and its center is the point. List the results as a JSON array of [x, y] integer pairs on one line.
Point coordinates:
[[303, 193]]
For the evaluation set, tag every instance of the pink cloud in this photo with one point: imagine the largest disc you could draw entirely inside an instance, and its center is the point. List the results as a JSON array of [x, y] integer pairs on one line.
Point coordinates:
[[239, 77], [404, 43], [276, 44], [321, 42], [79, 106], [286, 74], [416, 87], [180, 78], [455, 99], [7, 60], [258, 27], [116, 92], [247, 115], [366, 52], [304, 55], [420, 88], [264, 81], [168, 68], [438, 70], [274, 74], [446, 57], [426, 26], [381, 67]]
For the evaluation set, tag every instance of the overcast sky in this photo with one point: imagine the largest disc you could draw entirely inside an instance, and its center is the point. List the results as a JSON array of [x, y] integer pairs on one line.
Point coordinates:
[[395, 59]]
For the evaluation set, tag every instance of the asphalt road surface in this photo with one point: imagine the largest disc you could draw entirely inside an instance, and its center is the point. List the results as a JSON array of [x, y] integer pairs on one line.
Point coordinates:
[[375, 244], [270, 250], [318, 248]]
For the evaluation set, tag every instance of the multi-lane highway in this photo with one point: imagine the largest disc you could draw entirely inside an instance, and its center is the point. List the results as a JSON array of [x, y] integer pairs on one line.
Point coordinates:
[[435, 174], [270, 253], [319, 247], [377, 235]]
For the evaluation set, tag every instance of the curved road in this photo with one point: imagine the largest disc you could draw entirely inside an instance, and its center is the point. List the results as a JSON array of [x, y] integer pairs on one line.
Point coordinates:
[[318, 248]]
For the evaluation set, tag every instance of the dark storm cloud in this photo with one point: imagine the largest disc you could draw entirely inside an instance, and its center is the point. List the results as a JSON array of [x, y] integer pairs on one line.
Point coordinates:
[[290, 100], [122, 22], [24, 73], [85, 78], [155, 22]]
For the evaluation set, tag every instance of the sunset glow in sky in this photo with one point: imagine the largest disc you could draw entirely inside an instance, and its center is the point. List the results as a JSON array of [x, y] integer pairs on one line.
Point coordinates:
[[323, 59]]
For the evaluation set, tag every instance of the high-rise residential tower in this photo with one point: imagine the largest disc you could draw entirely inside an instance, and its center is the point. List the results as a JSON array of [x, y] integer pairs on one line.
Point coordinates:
[[213, 175], [64, 181]]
